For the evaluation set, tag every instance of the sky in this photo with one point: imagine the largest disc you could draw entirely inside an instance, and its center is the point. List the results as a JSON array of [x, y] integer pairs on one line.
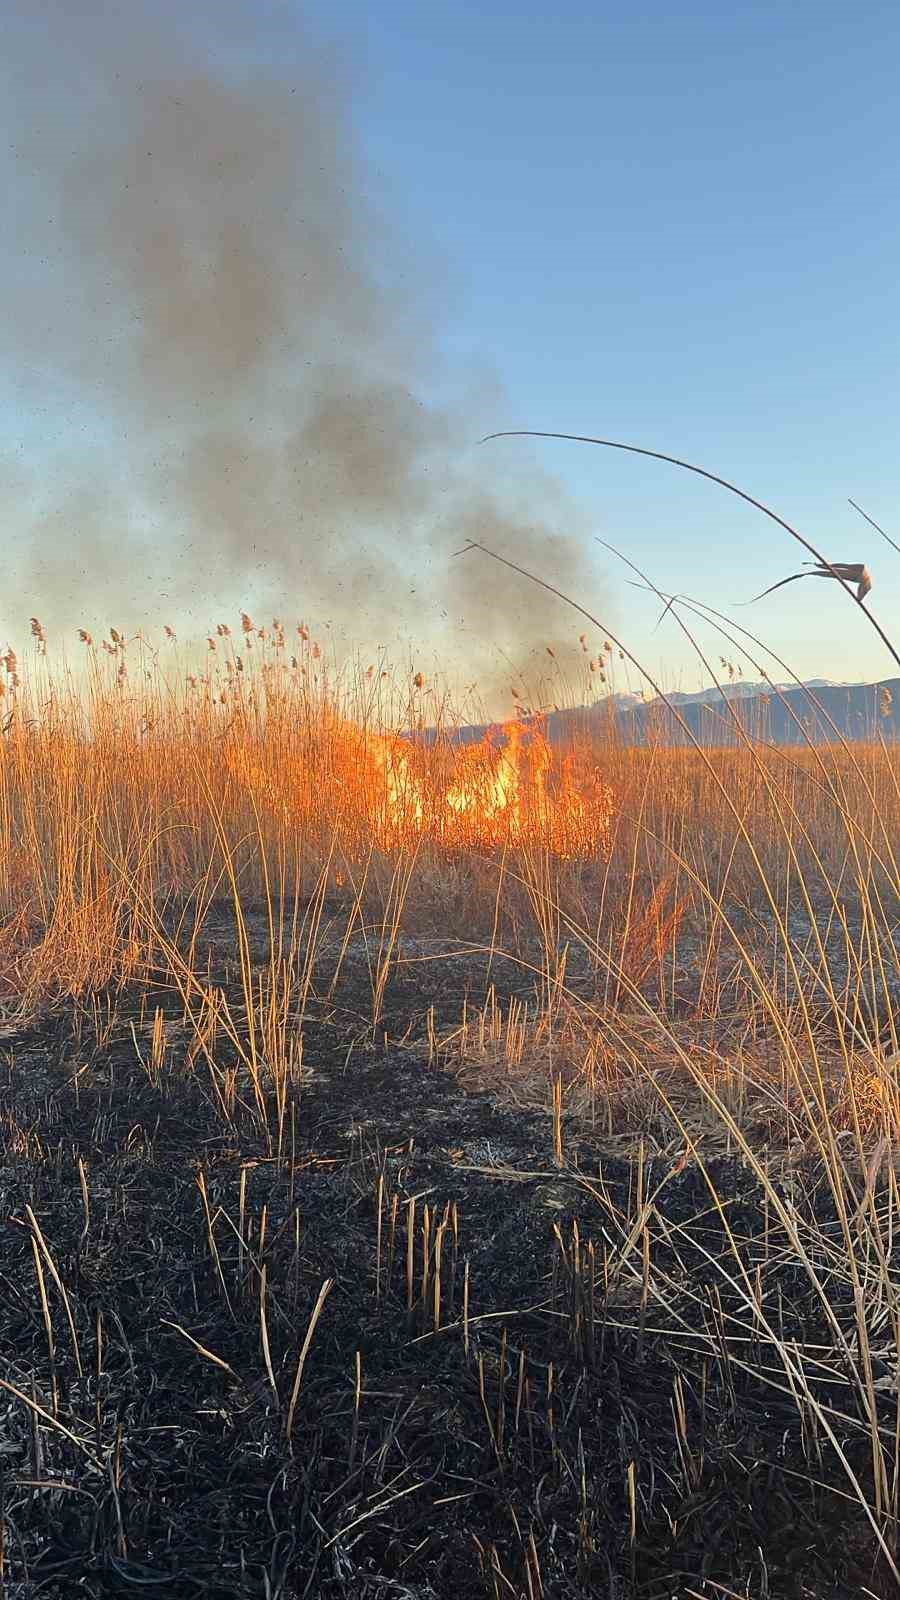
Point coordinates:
[[271, 273]]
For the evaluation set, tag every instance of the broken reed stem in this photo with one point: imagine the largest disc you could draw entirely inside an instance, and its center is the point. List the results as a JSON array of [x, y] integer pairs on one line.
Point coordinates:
[[379, 1211], [213, 1246], [357, 1401], [202, 1349], [410, 1253], [264, 1331], [85, 1200], [51, 1267], [40, 1414], [324, 1292], [48, 1324]]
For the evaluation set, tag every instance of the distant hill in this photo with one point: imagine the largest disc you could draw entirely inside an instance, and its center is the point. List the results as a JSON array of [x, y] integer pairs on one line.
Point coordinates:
[[820, 712]]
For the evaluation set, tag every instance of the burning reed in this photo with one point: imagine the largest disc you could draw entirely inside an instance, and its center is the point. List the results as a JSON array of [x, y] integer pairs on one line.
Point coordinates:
[[124, 787]]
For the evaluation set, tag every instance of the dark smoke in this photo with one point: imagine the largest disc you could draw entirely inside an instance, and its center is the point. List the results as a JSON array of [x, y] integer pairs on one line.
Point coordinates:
[[226, 362]]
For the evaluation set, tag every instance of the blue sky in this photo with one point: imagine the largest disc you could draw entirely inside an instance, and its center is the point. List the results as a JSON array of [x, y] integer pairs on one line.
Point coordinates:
[[675, 226]]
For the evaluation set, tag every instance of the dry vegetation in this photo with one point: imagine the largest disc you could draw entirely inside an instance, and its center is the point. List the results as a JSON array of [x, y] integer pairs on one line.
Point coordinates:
[[434, 1169]]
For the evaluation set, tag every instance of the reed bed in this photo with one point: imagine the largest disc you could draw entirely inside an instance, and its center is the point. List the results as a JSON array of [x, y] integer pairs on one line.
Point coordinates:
[[317, 1016]]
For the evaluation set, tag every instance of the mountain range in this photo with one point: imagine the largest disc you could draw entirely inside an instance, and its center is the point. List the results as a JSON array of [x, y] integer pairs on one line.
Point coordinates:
[[818, 712]]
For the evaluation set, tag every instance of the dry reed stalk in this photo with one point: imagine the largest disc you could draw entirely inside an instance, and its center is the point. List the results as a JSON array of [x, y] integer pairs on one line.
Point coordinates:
[[324, 1292]]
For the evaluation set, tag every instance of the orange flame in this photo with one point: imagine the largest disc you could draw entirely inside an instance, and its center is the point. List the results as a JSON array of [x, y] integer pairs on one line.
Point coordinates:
[[510, 788]]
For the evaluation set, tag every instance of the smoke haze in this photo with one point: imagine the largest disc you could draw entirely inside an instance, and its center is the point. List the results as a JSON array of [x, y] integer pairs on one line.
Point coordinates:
[[223, 362]]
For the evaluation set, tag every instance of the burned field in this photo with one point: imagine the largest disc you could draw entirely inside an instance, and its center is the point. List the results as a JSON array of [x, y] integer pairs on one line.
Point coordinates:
[[449, 1078], [432, 1168], [410, 1336]]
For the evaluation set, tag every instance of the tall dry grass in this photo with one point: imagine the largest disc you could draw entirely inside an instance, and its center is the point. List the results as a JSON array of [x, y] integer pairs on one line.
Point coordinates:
[[127, 788], [643, 892]]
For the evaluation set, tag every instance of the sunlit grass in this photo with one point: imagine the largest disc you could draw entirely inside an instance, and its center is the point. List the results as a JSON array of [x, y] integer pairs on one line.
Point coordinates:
[[709, 935]]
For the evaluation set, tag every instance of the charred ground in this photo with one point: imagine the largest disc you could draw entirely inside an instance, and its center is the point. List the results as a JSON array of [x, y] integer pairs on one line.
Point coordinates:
[[524, 1378]]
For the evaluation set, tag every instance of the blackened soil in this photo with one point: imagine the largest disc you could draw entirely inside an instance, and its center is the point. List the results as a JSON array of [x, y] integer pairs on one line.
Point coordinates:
[[394, 1349]]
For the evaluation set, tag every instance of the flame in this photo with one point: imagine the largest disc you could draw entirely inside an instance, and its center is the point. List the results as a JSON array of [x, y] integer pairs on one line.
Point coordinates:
[[509, 788], [491, 794]]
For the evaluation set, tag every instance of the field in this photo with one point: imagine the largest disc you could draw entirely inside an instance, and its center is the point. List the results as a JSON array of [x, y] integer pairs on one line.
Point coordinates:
[[433, 1170]]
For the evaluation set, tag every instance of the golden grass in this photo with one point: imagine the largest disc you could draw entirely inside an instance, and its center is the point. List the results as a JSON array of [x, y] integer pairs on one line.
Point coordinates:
[[128, 789], [710, 934]]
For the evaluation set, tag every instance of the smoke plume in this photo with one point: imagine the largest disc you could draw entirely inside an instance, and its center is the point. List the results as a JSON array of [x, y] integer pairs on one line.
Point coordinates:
[[224, 362]]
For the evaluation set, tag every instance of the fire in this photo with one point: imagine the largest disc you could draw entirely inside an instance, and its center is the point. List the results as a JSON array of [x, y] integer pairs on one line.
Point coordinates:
[[501, 795], [487, 793], [509, 788]]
